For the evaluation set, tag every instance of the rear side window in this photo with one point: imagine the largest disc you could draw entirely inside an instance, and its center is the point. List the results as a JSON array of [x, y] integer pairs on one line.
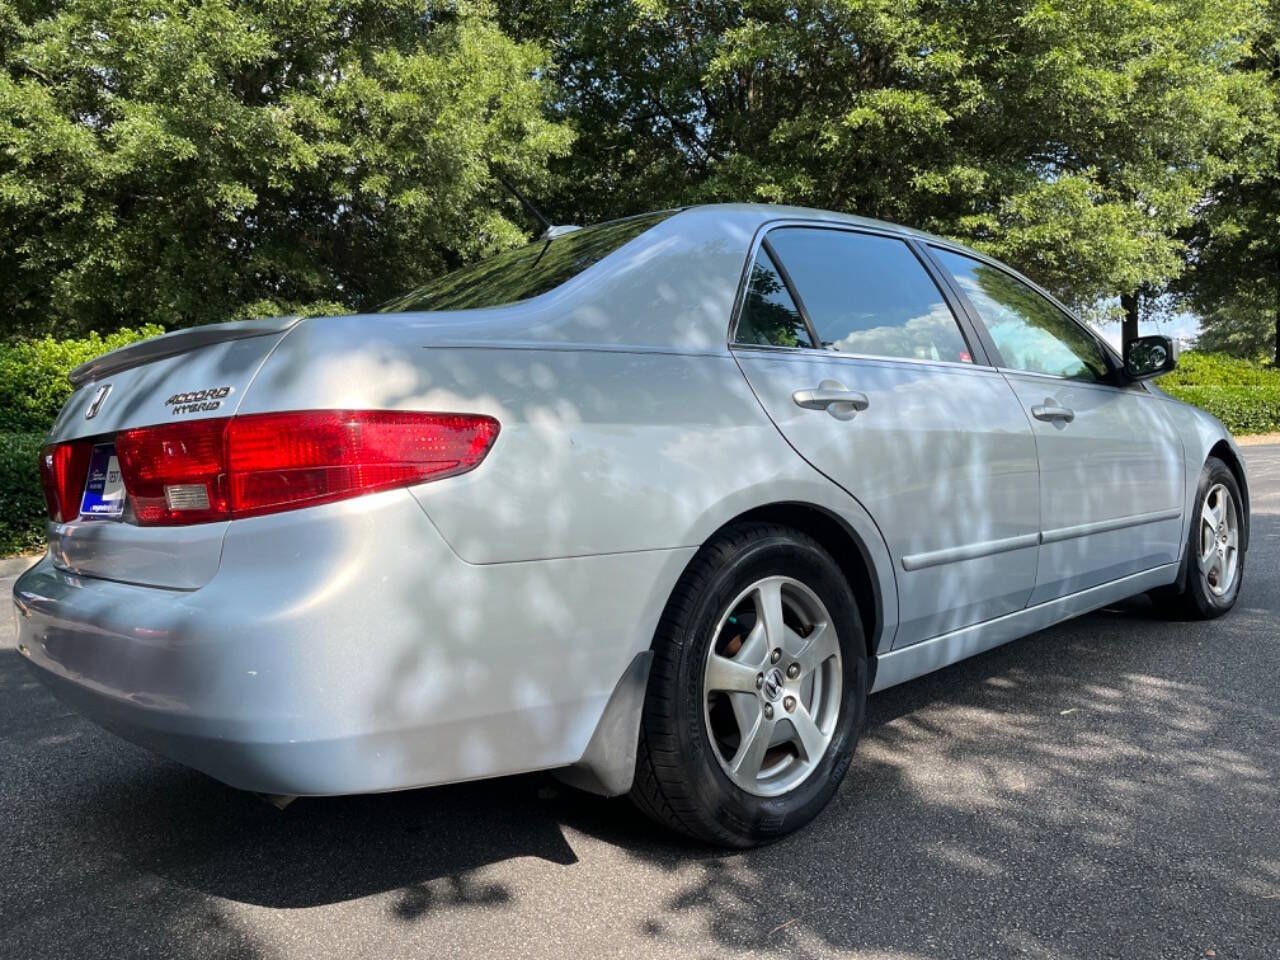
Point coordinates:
[[769, 315], [525, 271], [1029, 331], [869, 294]]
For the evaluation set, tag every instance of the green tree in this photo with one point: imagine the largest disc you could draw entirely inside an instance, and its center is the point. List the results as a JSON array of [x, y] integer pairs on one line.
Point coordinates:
[[1072, 137], [181, 162], [1234, 280]]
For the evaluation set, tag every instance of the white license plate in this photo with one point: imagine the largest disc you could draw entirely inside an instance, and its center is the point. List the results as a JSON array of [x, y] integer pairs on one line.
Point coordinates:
[[103, 487]]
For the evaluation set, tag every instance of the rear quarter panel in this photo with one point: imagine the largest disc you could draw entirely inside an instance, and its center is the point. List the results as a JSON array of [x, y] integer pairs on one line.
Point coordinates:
[[602, 450]]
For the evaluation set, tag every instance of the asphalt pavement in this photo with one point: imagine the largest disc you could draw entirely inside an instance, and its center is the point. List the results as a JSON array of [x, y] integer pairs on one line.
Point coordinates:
[[1106, 788]]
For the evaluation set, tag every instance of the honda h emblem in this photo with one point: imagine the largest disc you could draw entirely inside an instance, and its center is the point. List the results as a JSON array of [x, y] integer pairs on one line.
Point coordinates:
[[98, 399]]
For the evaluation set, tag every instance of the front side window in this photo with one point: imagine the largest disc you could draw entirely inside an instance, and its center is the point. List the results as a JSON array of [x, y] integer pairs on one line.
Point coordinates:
[[869, 295], [1030, 331], [526, 271], [769, 315]]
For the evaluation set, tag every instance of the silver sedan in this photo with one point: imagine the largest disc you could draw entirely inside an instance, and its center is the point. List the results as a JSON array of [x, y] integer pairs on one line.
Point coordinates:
[[654, 504]]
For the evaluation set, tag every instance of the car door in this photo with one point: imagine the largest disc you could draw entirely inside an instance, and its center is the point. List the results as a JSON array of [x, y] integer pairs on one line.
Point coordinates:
[[857, 355], [1111, 465]]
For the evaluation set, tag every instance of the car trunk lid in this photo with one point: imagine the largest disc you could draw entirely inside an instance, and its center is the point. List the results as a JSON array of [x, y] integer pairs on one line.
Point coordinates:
[[183, 376]]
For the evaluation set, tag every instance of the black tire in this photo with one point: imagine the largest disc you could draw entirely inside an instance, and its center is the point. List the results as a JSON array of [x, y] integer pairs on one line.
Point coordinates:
[[679, 782], [1197, 601]]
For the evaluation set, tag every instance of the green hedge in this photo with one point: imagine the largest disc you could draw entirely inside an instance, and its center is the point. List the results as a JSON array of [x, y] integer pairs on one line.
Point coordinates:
[[33, 388], [22, 511], [1243, 394], [1197, 369], [33, 375]]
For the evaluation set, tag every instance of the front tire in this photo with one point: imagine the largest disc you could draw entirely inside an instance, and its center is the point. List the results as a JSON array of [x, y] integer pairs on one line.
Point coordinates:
[[757, 693], [1214, 562]]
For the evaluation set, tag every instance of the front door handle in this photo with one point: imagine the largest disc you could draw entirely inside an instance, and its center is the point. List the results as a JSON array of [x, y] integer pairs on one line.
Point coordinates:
[[833, 397], [1053, 413]]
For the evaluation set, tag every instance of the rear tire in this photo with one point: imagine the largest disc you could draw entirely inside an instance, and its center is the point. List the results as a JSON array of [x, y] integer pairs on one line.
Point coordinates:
[[751, 717], [1214, 562]]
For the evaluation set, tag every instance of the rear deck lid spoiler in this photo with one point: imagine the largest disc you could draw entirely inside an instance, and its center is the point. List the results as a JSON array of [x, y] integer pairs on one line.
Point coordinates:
[[172, 344]]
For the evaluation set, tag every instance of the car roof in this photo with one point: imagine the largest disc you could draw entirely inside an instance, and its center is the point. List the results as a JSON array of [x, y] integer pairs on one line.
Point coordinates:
[[768, 212], [672, 288]]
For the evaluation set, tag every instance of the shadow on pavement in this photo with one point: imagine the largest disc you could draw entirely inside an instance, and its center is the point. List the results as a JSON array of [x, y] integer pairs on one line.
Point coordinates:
[[1108, 781]]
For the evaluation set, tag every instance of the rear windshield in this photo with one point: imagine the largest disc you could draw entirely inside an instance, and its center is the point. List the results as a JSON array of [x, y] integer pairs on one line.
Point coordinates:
[[525, 271]]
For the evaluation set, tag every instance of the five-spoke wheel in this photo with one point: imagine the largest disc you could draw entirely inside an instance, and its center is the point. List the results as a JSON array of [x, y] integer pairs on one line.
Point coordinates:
[[1213, 565], [757, 690], [1219, 539], [772, 685]]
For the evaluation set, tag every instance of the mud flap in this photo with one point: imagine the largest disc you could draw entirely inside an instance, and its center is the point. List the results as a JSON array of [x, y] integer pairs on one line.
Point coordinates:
[[608, 766]]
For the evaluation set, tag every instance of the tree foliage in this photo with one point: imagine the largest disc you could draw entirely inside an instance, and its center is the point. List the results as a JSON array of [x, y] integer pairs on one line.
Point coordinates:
[[181, 162], [1073, 137], [1234, 280]]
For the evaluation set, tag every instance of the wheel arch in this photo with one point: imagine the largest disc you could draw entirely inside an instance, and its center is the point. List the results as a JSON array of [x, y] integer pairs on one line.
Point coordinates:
[[1223, 450], [838, 538], [607, 767]]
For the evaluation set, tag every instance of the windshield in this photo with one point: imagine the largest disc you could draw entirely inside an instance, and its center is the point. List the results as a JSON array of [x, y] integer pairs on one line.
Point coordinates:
[[525, 271]]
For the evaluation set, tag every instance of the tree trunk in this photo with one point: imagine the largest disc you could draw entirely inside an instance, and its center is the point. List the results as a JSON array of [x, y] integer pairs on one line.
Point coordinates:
[[1129, 302], [1276, 361]]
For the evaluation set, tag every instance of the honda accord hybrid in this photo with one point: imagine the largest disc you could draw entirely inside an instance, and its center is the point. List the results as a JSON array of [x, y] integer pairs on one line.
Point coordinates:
[[654, 504]]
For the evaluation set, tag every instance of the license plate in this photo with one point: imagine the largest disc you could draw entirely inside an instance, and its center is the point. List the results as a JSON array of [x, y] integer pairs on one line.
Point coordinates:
[[103, 487]]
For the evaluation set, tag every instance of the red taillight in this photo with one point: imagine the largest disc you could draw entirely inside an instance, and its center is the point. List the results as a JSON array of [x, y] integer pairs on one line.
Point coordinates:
[[63, 467], [281, 460], [176, 472], [263, 463]]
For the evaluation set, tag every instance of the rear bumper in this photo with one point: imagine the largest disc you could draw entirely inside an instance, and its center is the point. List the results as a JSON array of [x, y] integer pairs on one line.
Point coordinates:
[[239, 759], [347, 649]]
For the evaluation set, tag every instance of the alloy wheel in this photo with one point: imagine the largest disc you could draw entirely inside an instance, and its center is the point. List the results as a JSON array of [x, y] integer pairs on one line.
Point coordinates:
[[772, 686], [1219, 540]]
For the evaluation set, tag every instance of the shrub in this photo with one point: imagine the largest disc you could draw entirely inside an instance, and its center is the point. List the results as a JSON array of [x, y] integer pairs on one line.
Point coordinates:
[[1196, 369], [33, 388], [33, 375], [1242, 410], [1243, 394], [22, 513]]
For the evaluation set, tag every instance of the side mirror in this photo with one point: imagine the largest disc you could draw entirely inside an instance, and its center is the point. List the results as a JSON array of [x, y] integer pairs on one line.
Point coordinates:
[[1146, 357]]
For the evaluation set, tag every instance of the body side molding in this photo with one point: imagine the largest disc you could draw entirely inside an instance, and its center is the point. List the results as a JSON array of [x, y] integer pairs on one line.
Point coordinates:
[[1105, 526], [969, 551]]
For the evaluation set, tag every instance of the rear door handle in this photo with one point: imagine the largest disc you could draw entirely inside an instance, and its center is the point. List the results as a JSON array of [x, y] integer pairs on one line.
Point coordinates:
[[834, 397], [1052, 412]]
